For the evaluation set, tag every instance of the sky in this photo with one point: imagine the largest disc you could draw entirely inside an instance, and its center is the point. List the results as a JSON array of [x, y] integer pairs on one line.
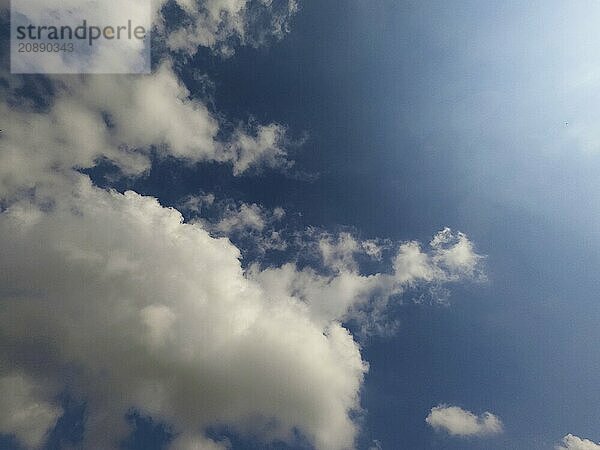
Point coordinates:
[[316, 225]]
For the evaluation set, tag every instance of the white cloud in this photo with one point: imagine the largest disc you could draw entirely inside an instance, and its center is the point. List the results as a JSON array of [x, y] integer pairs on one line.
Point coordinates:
[[144, 113], [159, 316], [108, 57], [219, 23], [346, 293], [372, 248], [196, 203], [137, 309], [25, 409], [339, 254], [570, 442], [245, 217], [216, 24], [264, 147], [455, 252], [459, 422], [254, 224], [198, 442]]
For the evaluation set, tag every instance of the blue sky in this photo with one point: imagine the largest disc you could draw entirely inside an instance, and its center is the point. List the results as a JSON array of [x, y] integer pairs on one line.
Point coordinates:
[[403, 118]]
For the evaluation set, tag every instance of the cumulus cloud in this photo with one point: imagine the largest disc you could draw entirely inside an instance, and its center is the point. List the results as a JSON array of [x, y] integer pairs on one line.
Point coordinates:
[[126, 118], [118, 300], [459, 422], [159, 316], [26, 410], [123, 119], [570, 442]]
